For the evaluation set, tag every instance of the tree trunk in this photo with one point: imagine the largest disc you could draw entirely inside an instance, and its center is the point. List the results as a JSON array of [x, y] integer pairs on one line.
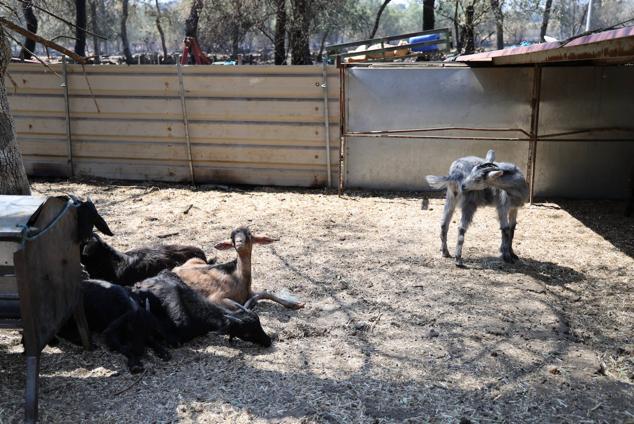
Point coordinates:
[[280, 32], [95, 29], [235, 41], [12, 174], [191, 24], [31, 25], [456, 27], [80, 27], [124, 34], [545, 19], [469, 44], [160, 30], [377, 20], [322, 46], [499, 23], [300, 33], [428, 15]]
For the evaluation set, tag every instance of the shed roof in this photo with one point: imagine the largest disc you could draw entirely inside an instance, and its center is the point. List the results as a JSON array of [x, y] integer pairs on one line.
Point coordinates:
[[613, 46]]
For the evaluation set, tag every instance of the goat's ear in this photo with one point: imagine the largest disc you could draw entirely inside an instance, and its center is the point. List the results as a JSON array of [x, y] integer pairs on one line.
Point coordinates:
[[89, 217], [490, 156], [263, 240], [224, 245], [495, 174], [99, 222]]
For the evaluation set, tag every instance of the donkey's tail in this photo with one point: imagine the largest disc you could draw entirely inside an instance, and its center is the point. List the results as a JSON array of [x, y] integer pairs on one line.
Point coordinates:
[[437, 182]]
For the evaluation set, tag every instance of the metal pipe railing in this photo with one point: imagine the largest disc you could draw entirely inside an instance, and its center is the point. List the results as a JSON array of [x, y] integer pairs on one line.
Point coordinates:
[[337, 47]]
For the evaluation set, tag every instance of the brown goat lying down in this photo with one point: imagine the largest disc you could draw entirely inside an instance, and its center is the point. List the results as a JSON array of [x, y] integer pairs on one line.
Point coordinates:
[[231, 280]]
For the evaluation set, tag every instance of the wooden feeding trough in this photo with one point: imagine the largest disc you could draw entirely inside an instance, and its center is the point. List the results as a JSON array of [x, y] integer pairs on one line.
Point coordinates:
[[40, 274]]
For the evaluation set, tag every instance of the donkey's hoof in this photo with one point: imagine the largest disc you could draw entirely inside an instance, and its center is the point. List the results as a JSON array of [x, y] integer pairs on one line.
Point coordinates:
[[459, 263], [508, 258], [445, 254]]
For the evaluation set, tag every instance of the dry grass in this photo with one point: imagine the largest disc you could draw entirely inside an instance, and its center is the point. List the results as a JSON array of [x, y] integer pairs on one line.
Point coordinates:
[[392, 332]]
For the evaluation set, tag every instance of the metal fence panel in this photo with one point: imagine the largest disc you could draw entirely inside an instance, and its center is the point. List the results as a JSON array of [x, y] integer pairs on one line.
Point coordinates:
[[419, 97]]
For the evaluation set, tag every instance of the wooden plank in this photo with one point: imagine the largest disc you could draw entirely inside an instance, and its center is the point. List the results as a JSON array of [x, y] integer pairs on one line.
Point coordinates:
[[170, 131], [271, 86], [187, 70], [108, 138], [273, 177], [178, 172], [290, 110], [8, 286], [52, 166], [48, 272], [177, 151], [46, 166]]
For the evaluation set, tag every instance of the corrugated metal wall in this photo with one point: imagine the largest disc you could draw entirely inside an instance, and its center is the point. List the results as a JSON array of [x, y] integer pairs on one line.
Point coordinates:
[[393, 98], [587, 165], [247, 124]]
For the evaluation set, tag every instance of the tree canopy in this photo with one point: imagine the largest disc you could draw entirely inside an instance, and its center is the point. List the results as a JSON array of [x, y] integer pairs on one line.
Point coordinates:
[[228, 27]]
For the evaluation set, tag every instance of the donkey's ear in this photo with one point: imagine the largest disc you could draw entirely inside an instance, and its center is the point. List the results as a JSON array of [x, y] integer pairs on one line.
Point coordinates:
[[490, 156], [495, 174], [224, 245], [263, 240]]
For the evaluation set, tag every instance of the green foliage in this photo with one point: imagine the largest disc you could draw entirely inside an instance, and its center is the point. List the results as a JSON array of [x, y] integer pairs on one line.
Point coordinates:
[[232, 26]]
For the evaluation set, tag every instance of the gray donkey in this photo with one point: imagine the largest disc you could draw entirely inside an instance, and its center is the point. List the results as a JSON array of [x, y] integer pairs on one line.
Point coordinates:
[[473, 182]]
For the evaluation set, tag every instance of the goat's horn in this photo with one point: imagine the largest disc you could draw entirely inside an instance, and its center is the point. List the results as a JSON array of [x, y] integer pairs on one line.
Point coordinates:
[[236, 304]]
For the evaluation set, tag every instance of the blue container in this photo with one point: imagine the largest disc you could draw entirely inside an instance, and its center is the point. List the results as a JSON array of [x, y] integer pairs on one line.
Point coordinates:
[[423, 38]]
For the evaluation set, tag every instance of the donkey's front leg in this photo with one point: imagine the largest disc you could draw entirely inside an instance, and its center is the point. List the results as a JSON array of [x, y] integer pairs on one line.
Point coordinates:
[[450, 207], [505, 247], [467, 215], [512, 225]]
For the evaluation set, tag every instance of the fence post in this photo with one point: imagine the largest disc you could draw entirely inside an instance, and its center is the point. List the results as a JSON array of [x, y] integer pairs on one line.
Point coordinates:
[[67, 115], [326, 120], [185, 121], [534, 134], [342, 124]]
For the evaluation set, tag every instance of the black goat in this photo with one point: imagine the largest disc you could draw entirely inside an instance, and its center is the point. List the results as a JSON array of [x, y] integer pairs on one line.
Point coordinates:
[[118, 314], [87, 218], [104, 262], [185, 314]]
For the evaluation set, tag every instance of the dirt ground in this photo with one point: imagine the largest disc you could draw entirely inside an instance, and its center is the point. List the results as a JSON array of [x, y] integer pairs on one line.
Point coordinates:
[[392, 332]]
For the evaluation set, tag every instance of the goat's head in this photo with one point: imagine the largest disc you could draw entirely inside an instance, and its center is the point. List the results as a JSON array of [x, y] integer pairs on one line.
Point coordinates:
[[481, 176], [97, 258], [245, 324], [242, 240], [88, 217]]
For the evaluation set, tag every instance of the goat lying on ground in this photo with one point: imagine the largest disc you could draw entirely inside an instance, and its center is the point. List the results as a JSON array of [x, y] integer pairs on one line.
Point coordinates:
[[104, 262], [231, 280], [126, 326], [184, 313], [473, 182]]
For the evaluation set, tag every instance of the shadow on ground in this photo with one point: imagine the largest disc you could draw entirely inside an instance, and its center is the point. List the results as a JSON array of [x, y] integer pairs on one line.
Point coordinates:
[[606, 218]]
